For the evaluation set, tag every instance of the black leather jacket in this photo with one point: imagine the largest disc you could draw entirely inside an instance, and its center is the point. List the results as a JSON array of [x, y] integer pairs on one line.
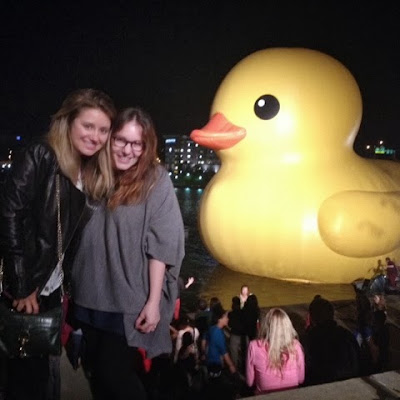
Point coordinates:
[[28, 220]]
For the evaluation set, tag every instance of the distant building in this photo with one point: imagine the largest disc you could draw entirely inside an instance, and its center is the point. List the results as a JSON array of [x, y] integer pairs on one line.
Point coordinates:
[[379, 150], [187, 162], [10, 141], [5, 165]]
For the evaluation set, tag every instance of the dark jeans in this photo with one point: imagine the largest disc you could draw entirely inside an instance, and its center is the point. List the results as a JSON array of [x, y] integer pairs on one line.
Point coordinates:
[[111, 366], [27, 379], [222, 385], [54, 383]]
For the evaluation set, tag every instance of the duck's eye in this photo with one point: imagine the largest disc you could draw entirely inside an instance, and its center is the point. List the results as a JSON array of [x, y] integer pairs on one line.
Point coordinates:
[[266, 106]]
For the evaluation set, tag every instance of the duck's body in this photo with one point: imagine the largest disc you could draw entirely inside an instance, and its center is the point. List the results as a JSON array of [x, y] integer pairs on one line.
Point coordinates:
[[292, 200]]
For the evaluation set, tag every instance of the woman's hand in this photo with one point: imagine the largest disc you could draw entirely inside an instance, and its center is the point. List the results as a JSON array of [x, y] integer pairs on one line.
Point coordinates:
[[148, 318], [29, 304], [150, 315]]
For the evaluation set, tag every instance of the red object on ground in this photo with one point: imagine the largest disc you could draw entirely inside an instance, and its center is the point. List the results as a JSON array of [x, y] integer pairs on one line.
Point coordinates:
[[146, 361], [177, 308]]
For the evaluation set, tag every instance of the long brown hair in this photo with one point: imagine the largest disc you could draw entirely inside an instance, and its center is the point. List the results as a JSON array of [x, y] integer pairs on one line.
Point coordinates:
[[133, 185], [97, 172]]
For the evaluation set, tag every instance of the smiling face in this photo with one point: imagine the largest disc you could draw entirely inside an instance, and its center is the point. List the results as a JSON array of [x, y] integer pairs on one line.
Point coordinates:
[[127, 146], [89, 131]]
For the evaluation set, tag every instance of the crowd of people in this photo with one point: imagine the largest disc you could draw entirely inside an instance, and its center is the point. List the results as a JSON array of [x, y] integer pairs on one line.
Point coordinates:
[[244, 351], [386, 278], [89, 214]]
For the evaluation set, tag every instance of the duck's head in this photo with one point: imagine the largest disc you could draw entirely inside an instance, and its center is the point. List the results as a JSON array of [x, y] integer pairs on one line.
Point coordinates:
[[284, 104]]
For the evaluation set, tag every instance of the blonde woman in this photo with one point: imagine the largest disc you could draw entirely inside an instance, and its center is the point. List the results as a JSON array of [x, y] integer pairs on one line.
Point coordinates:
[[75, 150], [275, 360]]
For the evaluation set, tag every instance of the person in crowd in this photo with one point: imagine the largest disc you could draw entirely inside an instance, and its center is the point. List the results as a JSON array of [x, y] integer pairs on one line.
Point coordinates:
[[201, 315], [243, 295], [202, 323], [378, 270], [217, 351], [181, 286], [391, 274], [224, 382], [331, 351], [125, 273], [187, 354], [185, 326], [380, 333], [275, 360], [214, 305], [187, 362], [251, 317], [237, 334], [215, 302], [74, 149], [363, 333], [220, 366]]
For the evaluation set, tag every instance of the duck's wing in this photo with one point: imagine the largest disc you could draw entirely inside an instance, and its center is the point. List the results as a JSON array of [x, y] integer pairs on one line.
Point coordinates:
[[361, 224]]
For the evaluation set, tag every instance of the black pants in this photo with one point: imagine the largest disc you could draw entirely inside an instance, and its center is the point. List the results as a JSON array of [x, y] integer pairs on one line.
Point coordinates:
[[28, 379], [111, 366]]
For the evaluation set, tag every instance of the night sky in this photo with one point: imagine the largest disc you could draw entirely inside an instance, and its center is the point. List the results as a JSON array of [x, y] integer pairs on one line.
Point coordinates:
[[169, 57]]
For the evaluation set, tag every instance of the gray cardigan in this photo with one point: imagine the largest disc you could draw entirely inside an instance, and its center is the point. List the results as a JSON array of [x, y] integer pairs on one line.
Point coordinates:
[[110, 271]]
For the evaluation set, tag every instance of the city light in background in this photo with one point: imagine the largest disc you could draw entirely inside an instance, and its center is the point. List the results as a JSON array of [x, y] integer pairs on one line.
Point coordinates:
[[188, 163]]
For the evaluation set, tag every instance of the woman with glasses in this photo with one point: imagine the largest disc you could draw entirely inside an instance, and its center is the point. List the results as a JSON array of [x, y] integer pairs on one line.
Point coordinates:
[[127, 267]]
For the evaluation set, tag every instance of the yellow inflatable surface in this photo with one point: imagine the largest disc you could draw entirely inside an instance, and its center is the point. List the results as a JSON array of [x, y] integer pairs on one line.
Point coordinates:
[[292, 199]]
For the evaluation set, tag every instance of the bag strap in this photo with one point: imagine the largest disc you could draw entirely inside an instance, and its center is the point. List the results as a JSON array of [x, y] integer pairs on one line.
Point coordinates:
[[194, 338], [1, 274], [59, 233]]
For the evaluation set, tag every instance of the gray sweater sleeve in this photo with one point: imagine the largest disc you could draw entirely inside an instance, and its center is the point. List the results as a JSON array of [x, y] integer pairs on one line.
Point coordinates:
[[165, 234]]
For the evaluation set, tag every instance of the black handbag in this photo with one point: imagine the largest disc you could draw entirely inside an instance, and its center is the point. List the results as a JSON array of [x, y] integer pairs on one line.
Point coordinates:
[[32, 335], [29, 335]]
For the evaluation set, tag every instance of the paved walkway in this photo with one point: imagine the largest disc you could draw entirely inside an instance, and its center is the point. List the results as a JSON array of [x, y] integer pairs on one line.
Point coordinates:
[[381, 386], [384, 386]]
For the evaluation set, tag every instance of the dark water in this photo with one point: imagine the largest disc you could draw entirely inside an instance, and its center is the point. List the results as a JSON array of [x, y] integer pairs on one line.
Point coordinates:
[[212, 279]]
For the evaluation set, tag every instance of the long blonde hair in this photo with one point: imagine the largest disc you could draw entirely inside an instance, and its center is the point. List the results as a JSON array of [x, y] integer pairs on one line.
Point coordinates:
[[278, 335], [133, 185], [96, 171]]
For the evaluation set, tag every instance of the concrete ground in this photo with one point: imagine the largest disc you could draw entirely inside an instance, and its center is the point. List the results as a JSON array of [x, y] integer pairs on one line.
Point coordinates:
[[385, 386], [381, 386], [74, 385]]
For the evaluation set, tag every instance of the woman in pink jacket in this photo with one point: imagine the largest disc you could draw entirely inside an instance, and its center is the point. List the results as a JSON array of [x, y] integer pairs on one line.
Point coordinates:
[[275, 360]]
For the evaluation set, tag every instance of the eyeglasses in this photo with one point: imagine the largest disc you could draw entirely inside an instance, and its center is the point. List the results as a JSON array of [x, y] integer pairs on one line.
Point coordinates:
[[121, 143]]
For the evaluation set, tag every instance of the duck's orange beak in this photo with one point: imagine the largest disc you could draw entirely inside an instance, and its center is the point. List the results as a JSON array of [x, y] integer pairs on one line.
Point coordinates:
[[218, 134]]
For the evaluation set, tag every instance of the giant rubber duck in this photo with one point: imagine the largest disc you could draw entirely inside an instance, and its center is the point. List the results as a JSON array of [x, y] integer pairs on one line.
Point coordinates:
[[292, 200]]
